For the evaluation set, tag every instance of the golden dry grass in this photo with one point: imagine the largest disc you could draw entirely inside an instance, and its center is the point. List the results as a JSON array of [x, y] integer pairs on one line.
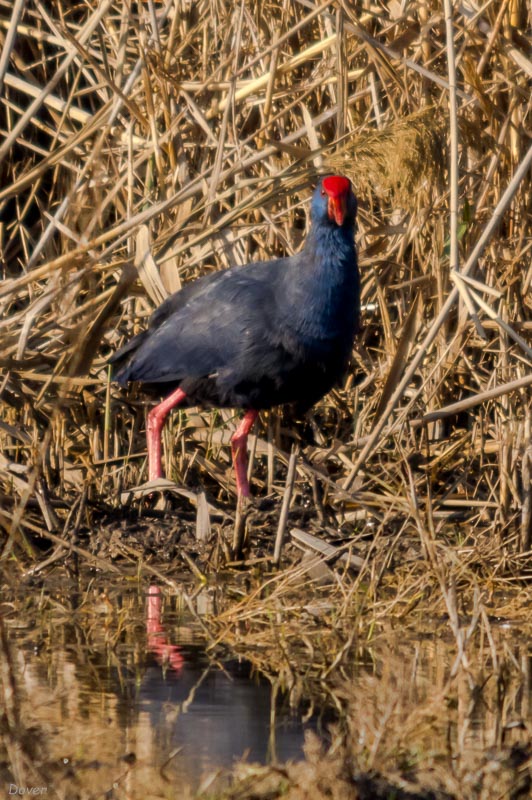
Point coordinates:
[[184, 138], [146, 144]]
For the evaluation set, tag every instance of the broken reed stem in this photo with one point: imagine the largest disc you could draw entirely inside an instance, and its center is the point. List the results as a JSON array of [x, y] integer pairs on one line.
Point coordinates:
[[502, 324], [240, 528], [477, 399], [107, 419], [453, 135], [18, 10], [287, 497], [526, 512]]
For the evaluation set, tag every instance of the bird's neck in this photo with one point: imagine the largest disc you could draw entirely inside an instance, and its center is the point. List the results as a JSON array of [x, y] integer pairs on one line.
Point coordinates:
[[323, 292], [330, 260]]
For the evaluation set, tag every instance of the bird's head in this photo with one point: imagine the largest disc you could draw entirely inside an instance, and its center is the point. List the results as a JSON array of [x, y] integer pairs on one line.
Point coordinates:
[[334, 201]]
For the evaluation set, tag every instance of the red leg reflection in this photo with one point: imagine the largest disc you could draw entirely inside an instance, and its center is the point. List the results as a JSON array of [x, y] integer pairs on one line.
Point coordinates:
[[165, 653]]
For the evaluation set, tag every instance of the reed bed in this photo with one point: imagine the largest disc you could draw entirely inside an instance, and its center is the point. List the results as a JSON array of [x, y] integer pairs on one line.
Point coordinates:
[[144, 145]]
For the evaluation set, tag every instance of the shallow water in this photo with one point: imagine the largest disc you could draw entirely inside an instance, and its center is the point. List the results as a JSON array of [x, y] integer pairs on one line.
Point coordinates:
[[120, 692], [124, 697], [199, 719]]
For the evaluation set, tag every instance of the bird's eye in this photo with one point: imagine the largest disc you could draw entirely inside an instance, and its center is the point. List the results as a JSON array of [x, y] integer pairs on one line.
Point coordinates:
[[322, 192]]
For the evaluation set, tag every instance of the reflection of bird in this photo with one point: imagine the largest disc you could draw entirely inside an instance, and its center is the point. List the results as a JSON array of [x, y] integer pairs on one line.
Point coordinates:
[[256, 336], [158, 643]]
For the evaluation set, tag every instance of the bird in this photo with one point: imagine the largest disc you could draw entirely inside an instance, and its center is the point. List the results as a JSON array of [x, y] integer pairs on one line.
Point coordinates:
[[252, 337]]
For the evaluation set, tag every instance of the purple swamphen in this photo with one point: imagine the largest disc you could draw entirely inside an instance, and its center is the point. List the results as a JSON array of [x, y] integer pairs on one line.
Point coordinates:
[[256, 336]]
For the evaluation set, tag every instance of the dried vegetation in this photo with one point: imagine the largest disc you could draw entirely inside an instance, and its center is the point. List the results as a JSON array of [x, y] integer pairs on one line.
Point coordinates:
[[146, 144]]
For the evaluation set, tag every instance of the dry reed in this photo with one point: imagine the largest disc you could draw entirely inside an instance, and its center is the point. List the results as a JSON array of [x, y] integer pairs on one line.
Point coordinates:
[[184, 138], [146, 144]]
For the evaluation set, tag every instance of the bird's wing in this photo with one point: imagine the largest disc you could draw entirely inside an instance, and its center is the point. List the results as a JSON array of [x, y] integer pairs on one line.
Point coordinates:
[[180, 298], [124, 358], [205, 330]]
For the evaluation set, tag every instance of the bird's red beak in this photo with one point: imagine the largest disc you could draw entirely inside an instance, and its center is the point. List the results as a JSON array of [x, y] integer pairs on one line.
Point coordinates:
[[337, 208], [337, 188]]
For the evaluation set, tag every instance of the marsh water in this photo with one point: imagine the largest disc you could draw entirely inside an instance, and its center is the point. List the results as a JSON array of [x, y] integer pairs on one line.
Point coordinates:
[[122, 688], [122, 691]]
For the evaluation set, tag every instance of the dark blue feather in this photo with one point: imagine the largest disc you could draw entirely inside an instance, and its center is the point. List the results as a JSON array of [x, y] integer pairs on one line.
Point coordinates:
[[268, 333]]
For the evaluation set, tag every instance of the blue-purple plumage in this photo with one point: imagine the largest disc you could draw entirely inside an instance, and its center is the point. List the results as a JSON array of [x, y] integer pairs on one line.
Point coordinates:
[[266, 334]]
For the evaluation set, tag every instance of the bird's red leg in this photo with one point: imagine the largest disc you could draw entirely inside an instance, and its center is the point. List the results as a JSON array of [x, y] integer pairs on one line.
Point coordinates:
[[156, 420], [239, 443]]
